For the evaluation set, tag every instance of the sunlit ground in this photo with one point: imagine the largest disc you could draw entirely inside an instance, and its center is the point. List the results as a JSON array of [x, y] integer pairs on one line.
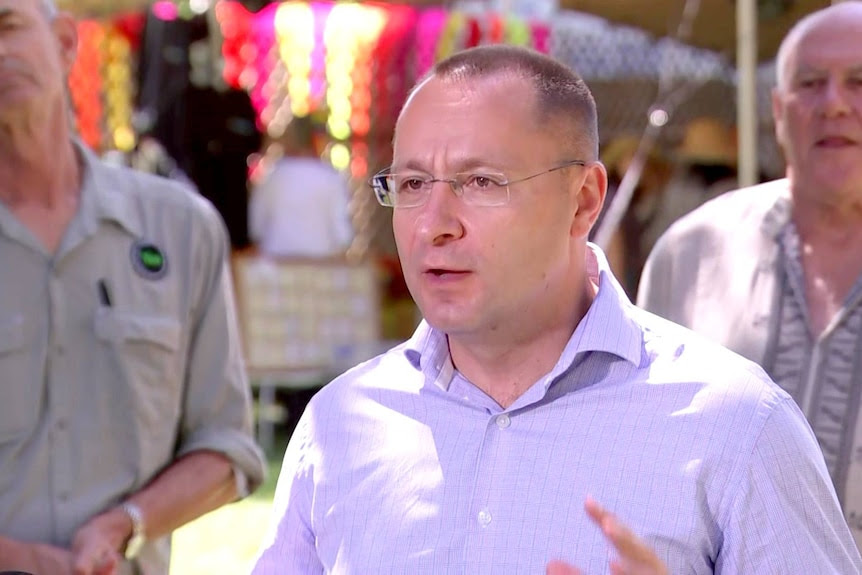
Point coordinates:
[[226, 541], [222, 543]]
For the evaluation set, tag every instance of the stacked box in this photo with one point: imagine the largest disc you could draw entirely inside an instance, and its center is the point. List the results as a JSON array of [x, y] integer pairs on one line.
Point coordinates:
[[304, 314]]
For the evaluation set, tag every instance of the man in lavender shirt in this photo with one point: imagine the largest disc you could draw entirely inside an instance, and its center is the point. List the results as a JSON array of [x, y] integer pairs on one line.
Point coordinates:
[[534, 388]]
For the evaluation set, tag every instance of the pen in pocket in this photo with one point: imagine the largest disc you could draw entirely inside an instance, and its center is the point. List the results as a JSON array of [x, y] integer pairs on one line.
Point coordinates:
[[104, 294]]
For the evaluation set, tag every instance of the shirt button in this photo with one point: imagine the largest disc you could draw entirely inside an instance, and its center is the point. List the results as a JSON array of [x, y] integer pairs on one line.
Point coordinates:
[[63, 496], [61, 424], [484, 518], [503, 421]]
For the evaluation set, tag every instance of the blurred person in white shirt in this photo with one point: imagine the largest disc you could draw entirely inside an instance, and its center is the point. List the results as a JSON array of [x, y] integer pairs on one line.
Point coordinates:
[[300, 207]]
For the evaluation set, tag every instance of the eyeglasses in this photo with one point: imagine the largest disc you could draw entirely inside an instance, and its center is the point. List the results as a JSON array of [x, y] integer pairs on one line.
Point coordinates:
[[404, 190]]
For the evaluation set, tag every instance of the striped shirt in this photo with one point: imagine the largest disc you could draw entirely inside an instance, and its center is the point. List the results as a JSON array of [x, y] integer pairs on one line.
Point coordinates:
[[403, 466], [823, 374]]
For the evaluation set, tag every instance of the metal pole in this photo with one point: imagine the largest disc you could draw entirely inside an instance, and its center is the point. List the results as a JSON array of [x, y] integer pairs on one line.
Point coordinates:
[[746, 98]]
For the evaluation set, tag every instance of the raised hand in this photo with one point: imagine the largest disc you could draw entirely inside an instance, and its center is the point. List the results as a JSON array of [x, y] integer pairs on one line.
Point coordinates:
[[635, 557]]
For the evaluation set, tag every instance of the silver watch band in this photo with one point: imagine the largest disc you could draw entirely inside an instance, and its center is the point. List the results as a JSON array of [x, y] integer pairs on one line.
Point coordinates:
[[136, 541]]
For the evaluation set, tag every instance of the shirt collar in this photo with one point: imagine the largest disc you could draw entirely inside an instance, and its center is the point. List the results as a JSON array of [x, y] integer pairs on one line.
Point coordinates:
[[428, 351], [778, 215], [104, 196], [608, 327]]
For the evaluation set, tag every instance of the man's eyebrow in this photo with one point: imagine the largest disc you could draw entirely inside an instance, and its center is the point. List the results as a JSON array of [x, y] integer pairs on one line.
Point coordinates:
[[816, 71], [412, 165], [806, 70], [462, 165]]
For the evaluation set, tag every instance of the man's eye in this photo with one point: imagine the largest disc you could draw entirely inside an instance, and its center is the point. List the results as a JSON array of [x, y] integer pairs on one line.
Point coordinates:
[[810, 82], [411, 185], [482, 182]]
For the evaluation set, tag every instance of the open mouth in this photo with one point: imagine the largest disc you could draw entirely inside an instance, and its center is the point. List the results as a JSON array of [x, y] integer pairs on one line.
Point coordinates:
[[440, 272], [836, 142]]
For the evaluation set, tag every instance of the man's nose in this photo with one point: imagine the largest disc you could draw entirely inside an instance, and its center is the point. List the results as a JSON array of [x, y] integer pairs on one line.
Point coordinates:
[[835, 98], [440, 220]]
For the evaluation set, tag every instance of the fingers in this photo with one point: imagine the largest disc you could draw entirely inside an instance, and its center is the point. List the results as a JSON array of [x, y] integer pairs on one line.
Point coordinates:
[[561, 568], [626, 542], [95, 560], [628, 568], [636, 558], [50, 559], [108, 566], [596, 512]]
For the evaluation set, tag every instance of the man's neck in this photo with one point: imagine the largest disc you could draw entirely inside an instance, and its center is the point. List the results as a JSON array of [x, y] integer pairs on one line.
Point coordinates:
[[829, 233], [507, 367], [825, 217], [828, 222], [37, 168], [40, 178]]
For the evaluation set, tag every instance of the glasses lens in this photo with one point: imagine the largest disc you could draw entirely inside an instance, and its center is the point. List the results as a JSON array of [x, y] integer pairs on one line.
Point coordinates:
[[484, 189], [408, 190], [381, 188]]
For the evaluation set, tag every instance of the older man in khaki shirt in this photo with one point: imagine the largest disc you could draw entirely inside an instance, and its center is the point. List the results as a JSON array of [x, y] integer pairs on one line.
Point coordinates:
[[125, 408]]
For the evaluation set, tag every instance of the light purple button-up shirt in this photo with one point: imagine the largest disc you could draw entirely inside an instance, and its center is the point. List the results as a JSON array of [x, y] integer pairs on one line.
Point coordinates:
[[402, 466]]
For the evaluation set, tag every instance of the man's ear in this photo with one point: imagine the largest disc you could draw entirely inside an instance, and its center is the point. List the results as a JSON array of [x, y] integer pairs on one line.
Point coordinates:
[[590, 198], [778, 115], [66, 32]]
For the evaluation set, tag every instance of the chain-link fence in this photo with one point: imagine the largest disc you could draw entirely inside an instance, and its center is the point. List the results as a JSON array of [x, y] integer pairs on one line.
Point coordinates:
[[629, 72]]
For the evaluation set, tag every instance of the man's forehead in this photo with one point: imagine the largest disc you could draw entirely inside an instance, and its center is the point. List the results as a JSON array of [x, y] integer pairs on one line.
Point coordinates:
[[830, 39], [458, 94], [835, 52], [852, 68], [832, 29]]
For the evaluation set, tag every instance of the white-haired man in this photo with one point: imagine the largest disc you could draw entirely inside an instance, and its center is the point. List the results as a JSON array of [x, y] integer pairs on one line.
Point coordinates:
[[774, 272]]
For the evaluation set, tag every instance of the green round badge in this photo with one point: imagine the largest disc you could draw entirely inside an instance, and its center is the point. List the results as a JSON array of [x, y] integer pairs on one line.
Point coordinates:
[[149, 260]]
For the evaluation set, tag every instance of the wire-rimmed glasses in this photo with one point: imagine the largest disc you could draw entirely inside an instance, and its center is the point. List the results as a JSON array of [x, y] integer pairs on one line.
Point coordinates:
[[411, 189]]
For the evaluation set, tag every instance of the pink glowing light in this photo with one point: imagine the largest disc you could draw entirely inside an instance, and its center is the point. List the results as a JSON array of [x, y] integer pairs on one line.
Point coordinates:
[[165, 10]]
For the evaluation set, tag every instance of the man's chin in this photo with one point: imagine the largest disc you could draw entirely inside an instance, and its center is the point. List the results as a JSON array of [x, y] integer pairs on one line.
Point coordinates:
[[450, 323]]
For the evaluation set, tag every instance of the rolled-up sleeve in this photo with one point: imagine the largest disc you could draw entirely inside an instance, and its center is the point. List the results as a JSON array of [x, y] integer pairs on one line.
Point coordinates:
[[217, 404]]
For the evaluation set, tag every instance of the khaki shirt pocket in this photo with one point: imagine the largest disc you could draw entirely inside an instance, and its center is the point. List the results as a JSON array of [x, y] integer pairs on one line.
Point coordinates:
[[146, 353], [19, 408], [122, 327]]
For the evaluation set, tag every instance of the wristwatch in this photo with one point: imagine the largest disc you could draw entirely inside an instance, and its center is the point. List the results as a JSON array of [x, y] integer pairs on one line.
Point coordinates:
[[136, 541]]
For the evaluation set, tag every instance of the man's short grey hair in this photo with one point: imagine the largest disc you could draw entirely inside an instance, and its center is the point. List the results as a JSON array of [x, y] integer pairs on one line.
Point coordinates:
[[563, 100]]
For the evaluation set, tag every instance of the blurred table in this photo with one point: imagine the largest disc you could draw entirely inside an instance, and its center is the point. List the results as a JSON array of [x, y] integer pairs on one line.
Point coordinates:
[[303, 322]]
